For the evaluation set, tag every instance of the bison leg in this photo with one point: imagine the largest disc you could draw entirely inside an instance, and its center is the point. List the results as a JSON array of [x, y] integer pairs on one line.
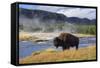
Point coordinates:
[[65, 47], [76, 47]]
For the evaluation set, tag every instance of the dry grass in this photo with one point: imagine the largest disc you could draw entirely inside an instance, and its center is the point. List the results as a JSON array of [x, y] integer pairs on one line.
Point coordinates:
[[26, 36], [84, 35], [50, 55]]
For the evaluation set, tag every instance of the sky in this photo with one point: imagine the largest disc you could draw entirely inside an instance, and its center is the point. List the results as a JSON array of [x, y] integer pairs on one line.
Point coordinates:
[[89, 13]]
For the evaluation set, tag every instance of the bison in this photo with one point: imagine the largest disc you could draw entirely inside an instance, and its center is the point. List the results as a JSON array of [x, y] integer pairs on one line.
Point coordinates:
[[66, 40]]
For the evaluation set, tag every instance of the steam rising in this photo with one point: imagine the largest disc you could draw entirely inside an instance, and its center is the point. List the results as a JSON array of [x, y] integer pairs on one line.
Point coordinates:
[[35, 25]]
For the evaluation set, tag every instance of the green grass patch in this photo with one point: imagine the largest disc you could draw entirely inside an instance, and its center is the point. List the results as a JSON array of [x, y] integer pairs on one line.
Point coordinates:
[[86, 29]]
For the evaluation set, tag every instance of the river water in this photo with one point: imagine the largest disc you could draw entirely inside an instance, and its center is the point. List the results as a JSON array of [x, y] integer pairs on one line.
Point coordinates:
[[27, 47]]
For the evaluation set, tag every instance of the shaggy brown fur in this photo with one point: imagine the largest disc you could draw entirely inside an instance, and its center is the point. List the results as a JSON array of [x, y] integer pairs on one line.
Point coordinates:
[[66, 40]]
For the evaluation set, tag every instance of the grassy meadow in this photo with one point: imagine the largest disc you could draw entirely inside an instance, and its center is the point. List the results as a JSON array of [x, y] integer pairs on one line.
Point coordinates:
[[50, 55]]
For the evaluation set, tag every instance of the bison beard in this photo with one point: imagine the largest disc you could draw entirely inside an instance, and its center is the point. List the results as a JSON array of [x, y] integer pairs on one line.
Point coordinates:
[[66, 40]]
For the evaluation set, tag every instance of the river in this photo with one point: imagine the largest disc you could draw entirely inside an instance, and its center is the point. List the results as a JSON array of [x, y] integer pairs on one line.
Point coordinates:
[[27, 47]]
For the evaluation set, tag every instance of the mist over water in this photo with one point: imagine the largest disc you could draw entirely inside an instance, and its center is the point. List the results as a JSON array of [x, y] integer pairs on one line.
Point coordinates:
[[36, 25]]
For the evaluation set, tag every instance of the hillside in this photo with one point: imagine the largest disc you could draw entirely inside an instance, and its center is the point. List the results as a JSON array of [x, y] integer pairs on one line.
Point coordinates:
[[51, 17]]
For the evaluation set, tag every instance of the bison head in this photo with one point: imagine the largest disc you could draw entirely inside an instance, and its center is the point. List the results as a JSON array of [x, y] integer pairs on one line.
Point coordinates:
[[57, 42]]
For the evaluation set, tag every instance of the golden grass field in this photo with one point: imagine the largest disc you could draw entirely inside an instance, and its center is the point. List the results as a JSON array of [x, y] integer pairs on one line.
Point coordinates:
[[26, 37], [50, 55]]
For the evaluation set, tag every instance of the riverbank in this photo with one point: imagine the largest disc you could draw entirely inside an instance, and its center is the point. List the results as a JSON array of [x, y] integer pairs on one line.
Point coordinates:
[[25, 36], [50, 55]]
